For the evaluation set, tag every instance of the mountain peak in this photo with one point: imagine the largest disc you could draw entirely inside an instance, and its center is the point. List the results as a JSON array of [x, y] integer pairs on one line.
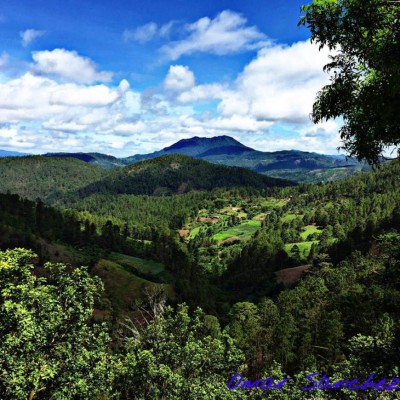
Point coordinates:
[[205, 142]]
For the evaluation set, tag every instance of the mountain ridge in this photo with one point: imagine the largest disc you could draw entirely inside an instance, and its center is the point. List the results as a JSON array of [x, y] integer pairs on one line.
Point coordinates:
[[295, 165]]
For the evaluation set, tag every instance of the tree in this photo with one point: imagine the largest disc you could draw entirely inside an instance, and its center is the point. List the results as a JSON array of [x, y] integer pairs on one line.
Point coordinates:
[[365, 75], [48, 349], [175, 356]]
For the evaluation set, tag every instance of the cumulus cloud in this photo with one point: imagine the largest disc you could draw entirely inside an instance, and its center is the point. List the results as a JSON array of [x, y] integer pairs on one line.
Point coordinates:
[[31, 98], [68, 65], [227, 33], [29, 35], [280, 84], [179, 78]]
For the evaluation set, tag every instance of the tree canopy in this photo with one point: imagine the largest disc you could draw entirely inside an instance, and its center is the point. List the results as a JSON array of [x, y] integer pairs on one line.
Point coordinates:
[[48, 347], [364, 37]]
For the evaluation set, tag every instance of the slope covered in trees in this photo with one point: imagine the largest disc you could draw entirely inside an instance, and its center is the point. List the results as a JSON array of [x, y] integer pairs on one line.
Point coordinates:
[[46, 178], [56, 180], [177, 174]]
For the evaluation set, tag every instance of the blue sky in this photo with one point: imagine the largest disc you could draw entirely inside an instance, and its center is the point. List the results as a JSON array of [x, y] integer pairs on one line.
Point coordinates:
[[127, 77]]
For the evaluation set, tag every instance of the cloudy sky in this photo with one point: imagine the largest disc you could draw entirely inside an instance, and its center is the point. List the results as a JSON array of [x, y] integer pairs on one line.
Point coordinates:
[[126, 77]]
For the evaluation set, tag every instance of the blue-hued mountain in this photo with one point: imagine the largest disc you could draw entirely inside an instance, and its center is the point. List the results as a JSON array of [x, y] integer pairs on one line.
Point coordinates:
[[294, 165], [198, 147], [6, 153], [101, 160]]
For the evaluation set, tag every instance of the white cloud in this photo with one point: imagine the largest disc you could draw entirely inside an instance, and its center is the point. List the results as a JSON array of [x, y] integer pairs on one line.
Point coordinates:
[[8, 132], [235, 123], [32, 98], [179, 78], [148, 32], [142, 34], [227, 33], [166, 29], [29, 35], [280, 84], [92, 96], [55, 125], [68, 65], [266, 107], [203, 92]]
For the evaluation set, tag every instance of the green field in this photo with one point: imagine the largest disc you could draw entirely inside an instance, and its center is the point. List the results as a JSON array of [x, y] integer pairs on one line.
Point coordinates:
[[290, 217], [309, 230], [147, 267], [304, 248], [244, 231], [259, 217], [273, 203]]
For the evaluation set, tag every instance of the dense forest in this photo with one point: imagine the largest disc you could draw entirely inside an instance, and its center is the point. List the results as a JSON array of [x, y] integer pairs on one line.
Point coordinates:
[[233, 253]]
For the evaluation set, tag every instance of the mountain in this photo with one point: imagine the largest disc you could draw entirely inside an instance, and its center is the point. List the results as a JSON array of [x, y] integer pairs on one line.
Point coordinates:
[[294, 165], [101, 160], [6, 153], [196, 147], [176, 174], [45, 177]]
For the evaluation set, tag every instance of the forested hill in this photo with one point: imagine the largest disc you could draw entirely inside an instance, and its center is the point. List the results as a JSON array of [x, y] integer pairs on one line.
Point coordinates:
[[177, 174], [98, 159], [46, 178]]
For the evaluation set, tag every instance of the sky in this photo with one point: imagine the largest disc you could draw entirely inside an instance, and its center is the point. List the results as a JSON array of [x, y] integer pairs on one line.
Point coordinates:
[[128, 77]]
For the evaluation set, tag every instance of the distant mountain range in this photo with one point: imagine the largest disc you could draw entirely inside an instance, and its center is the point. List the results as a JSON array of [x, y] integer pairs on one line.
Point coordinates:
[[6, 153], [295, 165]]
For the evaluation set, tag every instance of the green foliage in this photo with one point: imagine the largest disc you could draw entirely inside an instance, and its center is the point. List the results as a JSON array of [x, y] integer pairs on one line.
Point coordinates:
[[176, 357], [177, 174], [47, 178], [48, 346], [365, 74]]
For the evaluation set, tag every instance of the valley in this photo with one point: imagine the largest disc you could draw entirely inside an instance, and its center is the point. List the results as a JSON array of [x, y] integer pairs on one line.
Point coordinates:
[[246, 248]]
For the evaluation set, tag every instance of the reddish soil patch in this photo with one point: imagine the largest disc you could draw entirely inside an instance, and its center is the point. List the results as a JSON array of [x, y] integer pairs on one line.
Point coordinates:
[[231, 240], [289, 276]]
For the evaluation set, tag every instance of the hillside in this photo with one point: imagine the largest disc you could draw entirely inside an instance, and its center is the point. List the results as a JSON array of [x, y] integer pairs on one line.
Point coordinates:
[[177, 174], [101, 160], [44, 177]]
